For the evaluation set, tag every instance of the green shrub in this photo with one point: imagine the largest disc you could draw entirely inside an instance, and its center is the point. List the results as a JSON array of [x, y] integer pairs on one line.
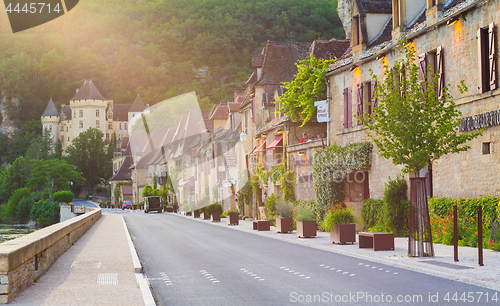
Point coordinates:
[[285, 209], [9, 212], [63, 196], [372, 212], [215, 207], [396, 206], [232, 211], [337, 214], [201, 210], [272, 200], [45, 212], [304, 212], [23, 209]]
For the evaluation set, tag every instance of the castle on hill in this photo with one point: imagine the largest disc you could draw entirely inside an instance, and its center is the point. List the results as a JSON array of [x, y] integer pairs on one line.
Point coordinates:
[[89, 109]]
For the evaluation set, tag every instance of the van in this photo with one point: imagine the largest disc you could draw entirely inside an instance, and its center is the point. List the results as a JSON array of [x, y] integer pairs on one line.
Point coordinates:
[[153, 203]]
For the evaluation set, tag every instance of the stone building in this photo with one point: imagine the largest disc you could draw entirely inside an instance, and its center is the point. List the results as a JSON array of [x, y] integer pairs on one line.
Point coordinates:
[[89, 109], [455, 36]]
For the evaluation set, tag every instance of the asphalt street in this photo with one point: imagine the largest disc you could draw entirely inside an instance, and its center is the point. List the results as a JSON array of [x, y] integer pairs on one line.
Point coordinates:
[[189, 262]]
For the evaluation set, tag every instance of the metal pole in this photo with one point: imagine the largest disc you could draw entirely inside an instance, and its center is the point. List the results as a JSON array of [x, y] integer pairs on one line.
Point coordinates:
[[455, 232], [480, 234]]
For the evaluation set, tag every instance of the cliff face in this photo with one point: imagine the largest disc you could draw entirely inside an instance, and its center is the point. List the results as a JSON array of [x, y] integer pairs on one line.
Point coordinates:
[[344, 9], [6, 125]]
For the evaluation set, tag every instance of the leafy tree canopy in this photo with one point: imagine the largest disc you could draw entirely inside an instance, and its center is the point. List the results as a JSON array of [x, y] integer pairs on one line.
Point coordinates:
[[308, 87], [412, 124], [89, 153]]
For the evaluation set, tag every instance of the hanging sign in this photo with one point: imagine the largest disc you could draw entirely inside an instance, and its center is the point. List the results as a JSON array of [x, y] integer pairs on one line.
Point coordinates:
[[322, 113]]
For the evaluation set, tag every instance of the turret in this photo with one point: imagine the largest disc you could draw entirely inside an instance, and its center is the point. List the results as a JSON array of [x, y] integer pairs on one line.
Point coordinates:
[[51, 120]]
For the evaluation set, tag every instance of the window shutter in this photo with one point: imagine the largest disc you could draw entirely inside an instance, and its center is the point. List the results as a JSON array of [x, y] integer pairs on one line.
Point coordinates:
[[253, 109], [481, 60], [422, 65], [346, 108], [371, 97], [349, 106], [440, 67], [492, 57], [360, 103]]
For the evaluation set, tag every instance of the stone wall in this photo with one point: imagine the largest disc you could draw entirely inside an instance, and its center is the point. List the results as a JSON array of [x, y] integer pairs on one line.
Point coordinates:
[[23, 259], [465, 174]]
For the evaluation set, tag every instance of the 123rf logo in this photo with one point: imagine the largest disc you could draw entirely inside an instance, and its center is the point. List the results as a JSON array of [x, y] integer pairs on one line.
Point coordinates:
[[28, 14]]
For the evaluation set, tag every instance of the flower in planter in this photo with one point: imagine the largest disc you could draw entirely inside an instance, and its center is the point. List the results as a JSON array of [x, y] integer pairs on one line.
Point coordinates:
[[337, 214], [232, 211], [305, 213], [284, 209]]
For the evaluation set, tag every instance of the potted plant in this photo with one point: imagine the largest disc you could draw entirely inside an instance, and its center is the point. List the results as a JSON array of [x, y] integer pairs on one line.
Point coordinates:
[[134, 206], [205, 214], [232, 217], [284, 219], [214, 211], [306, 221], [340, 222], [196, 213]]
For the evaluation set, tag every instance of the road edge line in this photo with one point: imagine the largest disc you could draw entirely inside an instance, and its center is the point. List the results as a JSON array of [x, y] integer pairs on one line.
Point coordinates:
[[147, 296]]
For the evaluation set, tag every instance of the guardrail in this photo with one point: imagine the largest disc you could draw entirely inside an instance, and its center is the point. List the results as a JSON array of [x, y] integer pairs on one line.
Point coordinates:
[[24, 259]]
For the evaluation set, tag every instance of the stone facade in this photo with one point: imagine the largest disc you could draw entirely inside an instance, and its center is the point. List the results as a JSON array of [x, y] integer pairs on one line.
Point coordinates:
[[473, 173]]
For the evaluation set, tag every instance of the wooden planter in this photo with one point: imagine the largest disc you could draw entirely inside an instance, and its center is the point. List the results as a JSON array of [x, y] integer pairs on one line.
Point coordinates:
[[188, 213], [343, 233], [215, 217], [284, 225], [206, 216], [232, 219], [306, 229], [196, 214]]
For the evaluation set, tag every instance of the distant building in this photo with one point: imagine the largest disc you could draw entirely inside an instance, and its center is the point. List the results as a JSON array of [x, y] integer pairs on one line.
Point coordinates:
[[89, 109]]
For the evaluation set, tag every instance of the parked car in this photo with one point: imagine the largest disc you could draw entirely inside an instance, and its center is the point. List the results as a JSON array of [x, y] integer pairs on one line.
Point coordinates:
[[153, 203], [127, 204]]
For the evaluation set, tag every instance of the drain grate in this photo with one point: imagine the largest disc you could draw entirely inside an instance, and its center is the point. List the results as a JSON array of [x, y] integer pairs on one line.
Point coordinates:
[[107, 278], [446, 265]]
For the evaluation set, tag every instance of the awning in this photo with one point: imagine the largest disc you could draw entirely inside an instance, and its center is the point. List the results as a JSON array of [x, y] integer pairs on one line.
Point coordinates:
[[187, 182], [259, 147], [274, 142]]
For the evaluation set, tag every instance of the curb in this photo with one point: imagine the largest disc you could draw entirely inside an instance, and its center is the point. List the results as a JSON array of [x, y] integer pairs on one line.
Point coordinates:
[[142, 282]]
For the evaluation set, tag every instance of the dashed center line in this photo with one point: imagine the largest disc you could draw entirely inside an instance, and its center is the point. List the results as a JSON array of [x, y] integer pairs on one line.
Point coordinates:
[[166, 279], [209, 276], [336, 270], [295, 272], [252, 274], [380, 269]]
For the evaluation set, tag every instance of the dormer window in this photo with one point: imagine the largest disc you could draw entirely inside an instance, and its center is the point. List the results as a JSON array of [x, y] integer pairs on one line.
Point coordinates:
[[356, 34]]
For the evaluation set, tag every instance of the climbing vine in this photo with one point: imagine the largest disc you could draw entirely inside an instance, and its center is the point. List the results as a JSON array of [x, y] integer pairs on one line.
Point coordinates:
[[332, 164]]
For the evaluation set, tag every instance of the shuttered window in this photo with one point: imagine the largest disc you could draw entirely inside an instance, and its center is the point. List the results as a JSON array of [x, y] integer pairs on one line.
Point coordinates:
[[487, 58], [435, 60], [360, 103], [347, 107], [371, 96], [440, 70], [422, 67]]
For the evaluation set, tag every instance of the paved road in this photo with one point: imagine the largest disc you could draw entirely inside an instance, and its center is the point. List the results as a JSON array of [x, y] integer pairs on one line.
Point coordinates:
[[189, 262]]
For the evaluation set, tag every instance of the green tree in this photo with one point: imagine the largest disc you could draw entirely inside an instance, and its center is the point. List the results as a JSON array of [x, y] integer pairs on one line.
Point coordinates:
[[10, 211], [57, 150], [89, 153], [412, 124], [53, 175], [308, 86], [45, 212], [17, 176]]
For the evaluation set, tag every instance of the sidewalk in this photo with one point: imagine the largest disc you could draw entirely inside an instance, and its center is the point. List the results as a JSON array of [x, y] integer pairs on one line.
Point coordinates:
[[98, 269], [442, 265]]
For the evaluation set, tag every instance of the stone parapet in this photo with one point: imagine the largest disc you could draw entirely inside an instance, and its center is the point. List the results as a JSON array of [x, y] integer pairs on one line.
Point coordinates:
[[24, 259]]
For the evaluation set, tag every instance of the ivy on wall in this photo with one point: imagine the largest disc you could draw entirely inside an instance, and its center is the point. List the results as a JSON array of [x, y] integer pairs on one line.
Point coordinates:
[[332, 164]]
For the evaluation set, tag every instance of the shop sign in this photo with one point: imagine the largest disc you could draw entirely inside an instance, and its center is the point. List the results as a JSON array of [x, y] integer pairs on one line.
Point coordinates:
[[479, 121]]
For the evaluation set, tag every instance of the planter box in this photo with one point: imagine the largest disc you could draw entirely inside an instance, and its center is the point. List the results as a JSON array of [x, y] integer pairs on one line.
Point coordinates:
[[306, 229], [196, 214], [169, 209], [188, 213], [215, 217], [206, 216], [232, 219], [343, 233], [284, 225], [261, 225]]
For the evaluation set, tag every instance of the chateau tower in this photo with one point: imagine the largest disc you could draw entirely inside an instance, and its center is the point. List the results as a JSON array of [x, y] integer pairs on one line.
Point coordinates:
[[89, 110], [51, 120]]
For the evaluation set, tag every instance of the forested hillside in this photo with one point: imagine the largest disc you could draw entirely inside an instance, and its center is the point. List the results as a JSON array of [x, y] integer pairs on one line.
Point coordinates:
[[157, 48]]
